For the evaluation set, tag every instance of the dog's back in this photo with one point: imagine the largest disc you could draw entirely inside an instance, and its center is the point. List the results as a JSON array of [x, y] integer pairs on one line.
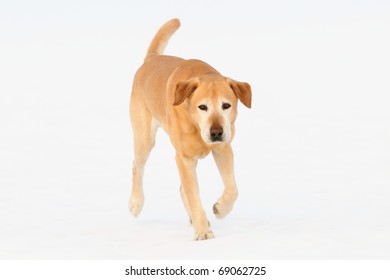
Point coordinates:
[[152, 77]]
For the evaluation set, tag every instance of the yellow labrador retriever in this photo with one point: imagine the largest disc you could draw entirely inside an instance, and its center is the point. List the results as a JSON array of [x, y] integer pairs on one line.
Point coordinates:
[[197, 107]]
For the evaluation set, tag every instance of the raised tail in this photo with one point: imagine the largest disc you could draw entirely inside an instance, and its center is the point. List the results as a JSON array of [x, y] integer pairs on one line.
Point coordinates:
[[161, 38]]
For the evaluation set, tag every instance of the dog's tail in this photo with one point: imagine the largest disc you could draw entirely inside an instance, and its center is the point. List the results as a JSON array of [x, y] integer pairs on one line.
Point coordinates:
[[161, 39]]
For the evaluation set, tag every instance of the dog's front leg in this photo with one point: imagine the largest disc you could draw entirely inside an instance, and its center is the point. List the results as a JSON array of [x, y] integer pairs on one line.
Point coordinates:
[[187, 171], [225, 163]]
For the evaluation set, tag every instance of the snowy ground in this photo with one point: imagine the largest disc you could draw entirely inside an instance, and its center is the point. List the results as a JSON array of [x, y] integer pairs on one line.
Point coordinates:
[[312, 156]]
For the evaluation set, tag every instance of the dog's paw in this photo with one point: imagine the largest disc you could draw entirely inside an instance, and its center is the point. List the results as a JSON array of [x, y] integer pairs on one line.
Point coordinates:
[[222, 209], [204, 235], [135, 205]]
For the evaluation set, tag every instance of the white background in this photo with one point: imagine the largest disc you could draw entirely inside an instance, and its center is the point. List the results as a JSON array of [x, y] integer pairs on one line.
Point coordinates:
[[312, 156]]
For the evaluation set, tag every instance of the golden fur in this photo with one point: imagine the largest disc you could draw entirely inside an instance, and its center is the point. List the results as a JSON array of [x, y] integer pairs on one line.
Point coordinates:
[[197, 107]]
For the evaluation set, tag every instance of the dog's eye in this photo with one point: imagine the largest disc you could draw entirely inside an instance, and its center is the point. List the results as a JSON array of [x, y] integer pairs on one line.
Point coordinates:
[[202, 107], [226, 106]]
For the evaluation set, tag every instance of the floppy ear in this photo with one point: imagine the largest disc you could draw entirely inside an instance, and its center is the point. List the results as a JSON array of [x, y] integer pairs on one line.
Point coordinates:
[[184, 90], [242, 91]]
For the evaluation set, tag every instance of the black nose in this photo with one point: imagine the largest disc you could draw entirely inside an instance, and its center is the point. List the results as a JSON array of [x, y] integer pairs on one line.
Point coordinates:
[[216, 133]]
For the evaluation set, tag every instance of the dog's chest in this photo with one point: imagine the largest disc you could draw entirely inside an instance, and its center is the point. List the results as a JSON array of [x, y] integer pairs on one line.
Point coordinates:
[[192, 146]]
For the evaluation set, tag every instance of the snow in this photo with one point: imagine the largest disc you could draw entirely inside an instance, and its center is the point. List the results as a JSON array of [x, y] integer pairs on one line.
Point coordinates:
[[312, 156]]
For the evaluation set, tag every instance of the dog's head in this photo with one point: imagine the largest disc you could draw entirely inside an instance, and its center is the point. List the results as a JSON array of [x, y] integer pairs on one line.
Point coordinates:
[[213, 104]]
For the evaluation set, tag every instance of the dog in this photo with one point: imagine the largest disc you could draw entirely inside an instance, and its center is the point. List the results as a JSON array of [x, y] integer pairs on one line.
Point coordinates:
[[197, 107]]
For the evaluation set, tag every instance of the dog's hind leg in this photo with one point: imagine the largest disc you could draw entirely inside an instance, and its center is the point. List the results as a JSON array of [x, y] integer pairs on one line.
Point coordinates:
[[144, 130]]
